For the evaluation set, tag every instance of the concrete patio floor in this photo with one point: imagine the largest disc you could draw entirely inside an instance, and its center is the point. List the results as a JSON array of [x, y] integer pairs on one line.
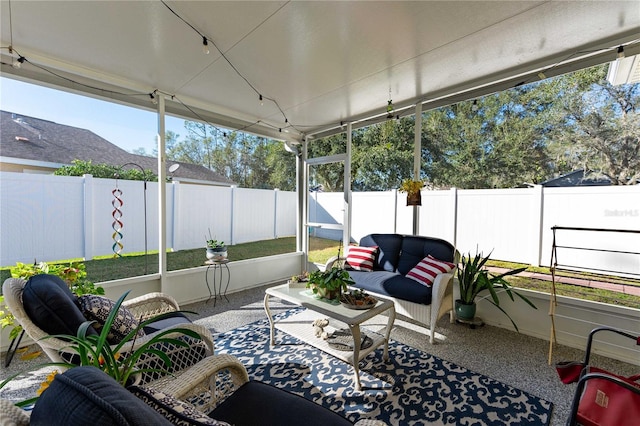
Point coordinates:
[[501, 354]]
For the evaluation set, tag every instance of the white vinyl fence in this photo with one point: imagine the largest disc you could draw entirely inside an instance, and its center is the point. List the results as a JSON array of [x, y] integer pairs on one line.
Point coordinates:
[[48, 218]]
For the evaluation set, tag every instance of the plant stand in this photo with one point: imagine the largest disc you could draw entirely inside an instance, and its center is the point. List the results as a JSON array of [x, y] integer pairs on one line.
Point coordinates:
[[472, 323]]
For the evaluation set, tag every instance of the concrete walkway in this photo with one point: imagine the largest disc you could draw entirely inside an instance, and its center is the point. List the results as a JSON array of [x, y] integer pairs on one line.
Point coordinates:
[[620, 288]]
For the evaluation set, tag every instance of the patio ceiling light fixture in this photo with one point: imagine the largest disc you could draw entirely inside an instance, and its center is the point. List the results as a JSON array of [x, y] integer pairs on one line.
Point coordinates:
[[620, 53], [205, 45]]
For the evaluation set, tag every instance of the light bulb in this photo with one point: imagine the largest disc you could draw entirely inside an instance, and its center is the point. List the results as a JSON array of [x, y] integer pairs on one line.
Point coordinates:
[[261, 100], [205, 45], [18, 62], [620, 52]]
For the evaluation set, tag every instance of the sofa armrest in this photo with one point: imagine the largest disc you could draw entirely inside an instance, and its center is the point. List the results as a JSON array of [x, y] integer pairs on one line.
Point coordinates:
[[151, 305], [441, 298], [209, 382]]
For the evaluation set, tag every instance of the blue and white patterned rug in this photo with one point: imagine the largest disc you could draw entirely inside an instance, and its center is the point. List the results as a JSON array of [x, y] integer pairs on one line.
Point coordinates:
[[413, 388]]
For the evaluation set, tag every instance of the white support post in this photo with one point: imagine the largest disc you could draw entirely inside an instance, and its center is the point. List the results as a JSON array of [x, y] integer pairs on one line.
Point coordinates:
[[346, 231], [162, 194], [303, 202], [417, 156]]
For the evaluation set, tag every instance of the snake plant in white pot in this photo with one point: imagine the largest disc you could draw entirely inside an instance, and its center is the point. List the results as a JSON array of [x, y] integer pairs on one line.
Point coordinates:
[[474, 278]]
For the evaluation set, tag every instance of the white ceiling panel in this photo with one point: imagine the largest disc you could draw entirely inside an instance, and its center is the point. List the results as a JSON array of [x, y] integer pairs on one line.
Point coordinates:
[[322, 62]]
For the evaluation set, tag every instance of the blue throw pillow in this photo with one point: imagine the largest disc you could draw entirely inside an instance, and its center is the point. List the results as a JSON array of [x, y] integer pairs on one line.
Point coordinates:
[[51, 306]]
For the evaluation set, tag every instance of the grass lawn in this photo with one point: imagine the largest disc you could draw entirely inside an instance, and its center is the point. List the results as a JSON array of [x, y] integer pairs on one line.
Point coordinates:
[[109, 268]]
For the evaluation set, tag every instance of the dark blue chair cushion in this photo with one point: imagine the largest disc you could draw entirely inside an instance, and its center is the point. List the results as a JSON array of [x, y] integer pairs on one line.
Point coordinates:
[[51, 306], [389, 250], [392, 284], [257, 403], [84, 396], [416, 248], [174, 318]]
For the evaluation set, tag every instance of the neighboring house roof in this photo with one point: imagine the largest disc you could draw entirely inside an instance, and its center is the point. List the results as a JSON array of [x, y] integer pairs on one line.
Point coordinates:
[[30, 138], [578, 178]]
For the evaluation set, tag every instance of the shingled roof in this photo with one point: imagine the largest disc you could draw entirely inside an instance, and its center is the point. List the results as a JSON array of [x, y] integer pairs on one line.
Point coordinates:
[[30, 138]]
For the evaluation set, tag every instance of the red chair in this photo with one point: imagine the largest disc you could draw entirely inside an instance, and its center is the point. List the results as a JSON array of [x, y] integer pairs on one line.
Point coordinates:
[[601, 397]]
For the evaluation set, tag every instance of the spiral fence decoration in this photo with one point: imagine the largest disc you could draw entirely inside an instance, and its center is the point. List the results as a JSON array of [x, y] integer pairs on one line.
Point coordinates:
[[117, 223]]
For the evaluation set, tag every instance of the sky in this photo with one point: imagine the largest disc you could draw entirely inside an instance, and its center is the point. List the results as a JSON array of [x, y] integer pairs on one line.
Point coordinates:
[[127, 127]]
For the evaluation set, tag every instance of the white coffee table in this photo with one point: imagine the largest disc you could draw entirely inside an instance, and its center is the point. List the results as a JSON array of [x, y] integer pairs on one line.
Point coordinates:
[[299, 325]]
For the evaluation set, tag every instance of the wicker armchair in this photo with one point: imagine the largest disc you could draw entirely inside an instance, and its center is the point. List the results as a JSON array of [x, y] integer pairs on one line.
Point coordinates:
[[209, 383], [85, 395], [144, 307]]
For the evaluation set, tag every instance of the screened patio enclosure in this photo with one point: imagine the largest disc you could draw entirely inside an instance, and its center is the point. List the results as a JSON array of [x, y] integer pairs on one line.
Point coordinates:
[[299, 70]]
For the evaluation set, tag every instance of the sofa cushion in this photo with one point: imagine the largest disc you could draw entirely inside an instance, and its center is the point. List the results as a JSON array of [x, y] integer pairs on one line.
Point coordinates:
[[392, 284], [51, 306], [361, 258], [97, 308], [415, 248], [88, 396], [426, 271], [388, 250], [177, 412], [257, 403]]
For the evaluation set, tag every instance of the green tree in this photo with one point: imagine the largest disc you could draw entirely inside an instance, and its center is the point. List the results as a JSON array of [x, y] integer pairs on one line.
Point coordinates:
[[600, 127], [106, 171]]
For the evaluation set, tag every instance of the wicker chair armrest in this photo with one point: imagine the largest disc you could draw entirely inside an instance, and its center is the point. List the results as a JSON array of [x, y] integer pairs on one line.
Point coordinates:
[[150, 305], [335, 261], [370, 422], [442, 284], [12, 414], [208, 382], [182, 358]]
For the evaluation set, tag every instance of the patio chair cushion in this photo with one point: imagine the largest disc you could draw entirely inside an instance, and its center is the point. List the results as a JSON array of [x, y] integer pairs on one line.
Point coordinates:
[[97, 308], [168, 320], [51, 306], [415, 248], [257, 403], [88, 396], [176, 411], [388, 250], [392, 284]]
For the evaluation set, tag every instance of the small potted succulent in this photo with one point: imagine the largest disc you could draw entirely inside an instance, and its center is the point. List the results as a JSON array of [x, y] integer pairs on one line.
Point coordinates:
[[216, 250], [329, 284]]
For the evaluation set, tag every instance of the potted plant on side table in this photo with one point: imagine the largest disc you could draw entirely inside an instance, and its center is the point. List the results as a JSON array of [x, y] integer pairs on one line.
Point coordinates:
[[473, 279], [329, 284], [216, 250]]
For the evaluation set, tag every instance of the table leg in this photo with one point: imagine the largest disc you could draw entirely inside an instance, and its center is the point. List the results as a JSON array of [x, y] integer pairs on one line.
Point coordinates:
[[206, 279], [271, 322], [390, 321], [357, 340], [228, 281]]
